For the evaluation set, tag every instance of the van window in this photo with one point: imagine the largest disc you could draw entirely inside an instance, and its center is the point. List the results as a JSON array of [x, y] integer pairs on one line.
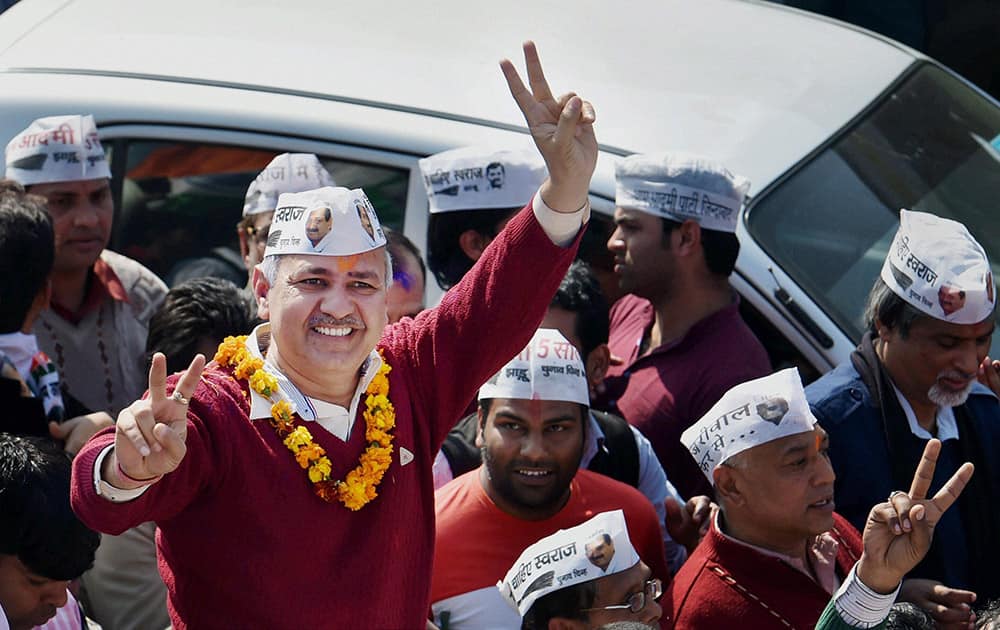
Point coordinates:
[[182, 200], [930, 144]]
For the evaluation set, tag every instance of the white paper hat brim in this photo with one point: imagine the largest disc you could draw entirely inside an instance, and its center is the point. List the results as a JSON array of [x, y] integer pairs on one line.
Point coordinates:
[[324, 222], [57, 149], [286, 173], [549, 368], [473, 178]]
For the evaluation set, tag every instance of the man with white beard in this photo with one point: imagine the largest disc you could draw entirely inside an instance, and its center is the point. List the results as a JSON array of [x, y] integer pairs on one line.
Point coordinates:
[[930, 319]]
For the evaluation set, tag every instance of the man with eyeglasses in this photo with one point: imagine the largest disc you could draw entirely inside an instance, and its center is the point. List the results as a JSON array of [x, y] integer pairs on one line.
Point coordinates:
[[557, 585], [532, 431], [287, 173]]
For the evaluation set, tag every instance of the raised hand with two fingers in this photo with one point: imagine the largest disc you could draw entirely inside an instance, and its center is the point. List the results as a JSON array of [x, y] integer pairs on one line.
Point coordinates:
[[150, 434]]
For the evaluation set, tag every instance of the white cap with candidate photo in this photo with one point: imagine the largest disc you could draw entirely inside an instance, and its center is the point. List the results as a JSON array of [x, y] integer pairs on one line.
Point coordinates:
[[326, 222], [549, 368], [592, 550], [57, 149], [753, 413], [477, 178], [286, 173], [936, 266], [679, 187]]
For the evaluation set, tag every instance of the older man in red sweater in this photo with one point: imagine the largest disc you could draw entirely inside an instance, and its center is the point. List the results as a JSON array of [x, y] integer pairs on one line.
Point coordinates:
[[282, 500]]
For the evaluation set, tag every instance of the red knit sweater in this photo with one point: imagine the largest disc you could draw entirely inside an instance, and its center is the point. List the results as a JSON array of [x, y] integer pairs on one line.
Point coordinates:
[[727, 585], [244, 543]]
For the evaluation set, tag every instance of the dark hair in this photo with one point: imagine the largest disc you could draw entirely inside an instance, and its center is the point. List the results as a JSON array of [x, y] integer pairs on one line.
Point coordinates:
[[567, 603], [580, 294], [905, 616], [27, 252], [721, 249], [194, 310], [396, 242], [36, 522], [445, 257], [885, 306]]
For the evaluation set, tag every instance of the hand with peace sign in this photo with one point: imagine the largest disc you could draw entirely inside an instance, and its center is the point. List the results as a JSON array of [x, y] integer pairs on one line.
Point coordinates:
[[150, 434], [563, 132], [898, 533]]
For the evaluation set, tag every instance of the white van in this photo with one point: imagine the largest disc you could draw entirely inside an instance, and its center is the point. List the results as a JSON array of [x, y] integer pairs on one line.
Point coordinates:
[[836, 127]]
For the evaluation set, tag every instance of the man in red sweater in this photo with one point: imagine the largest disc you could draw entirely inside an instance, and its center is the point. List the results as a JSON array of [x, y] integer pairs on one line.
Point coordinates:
[[532, 428], [291, 480], [776, 551]]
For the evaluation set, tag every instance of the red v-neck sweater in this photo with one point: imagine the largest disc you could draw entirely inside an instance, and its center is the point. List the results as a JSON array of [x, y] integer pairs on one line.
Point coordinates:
[[244, 543]]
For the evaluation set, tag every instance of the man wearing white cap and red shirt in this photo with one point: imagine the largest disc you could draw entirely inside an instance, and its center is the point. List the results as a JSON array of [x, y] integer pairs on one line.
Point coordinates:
[[679, 333], [292, 479], [472, 192], [533, 419], [95, 330], [286, 173], [583, 577], [930, 318]]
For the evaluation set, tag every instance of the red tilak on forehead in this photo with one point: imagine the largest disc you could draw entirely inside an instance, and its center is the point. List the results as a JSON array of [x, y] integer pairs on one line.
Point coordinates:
[[347, 263]]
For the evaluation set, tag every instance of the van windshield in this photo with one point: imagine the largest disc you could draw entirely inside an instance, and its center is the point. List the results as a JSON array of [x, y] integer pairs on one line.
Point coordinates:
[[931, 144]]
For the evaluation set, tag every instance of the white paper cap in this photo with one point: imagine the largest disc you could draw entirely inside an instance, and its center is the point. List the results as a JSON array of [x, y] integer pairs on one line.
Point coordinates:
[[549, 368], [287, 173], [476, 178], [326, 222], [679, 187], [57, 149], [595, 549], [936, 265], [748, 415]]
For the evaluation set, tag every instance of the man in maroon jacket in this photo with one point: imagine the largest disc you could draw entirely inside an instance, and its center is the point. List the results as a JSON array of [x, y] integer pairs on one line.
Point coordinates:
[[292, 479]]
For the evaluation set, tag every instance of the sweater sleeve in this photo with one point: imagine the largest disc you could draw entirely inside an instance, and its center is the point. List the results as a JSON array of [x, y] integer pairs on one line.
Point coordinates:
[[206, 459], [483, 321]]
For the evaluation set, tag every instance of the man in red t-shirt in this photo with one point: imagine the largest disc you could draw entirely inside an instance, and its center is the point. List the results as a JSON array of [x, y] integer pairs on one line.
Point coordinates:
[[679, 334], [532, 428]]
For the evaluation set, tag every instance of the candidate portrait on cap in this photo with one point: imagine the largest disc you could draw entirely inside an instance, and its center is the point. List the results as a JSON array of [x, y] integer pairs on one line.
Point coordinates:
[[753, 413], [286, 173], [549, 368], [679, 187], [597, 548], [329, 221], [938, 267], [477, 178], [57, 149]]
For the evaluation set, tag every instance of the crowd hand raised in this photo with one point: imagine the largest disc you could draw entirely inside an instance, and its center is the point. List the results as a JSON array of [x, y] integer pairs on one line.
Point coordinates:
[[898, 533], [150, 434], [75, 432], [562, 130], [688, 523], [989, 374], [950, 607]]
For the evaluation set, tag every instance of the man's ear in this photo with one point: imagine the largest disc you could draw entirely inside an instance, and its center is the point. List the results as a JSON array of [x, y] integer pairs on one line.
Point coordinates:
[[481, 426], [561, 623], [244, 245], [728, 485], [260, 289], [598, 362], [473, 243], [688, 238]]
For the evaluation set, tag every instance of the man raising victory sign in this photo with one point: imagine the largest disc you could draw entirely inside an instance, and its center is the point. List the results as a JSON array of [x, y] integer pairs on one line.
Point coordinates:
[[291, 478]]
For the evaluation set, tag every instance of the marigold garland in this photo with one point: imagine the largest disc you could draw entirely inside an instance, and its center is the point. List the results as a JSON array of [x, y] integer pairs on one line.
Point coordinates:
[[359, 485]]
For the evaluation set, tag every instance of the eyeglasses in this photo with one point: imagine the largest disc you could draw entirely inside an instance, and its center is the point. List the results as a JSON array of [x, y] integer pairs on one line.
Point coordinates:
[[636, 602], [259, 234]]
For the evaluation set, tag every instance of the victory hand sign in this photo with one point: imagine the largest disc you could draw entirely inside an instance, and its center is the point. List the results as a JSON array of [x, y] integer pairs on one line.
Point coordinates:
[[563, 132], [898, 533], [150, 434]]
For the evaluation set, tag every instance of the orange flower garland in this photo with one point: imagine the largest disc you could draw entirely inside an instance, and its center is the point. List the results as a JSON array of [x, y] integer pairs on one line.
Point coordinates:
[[359, 486]]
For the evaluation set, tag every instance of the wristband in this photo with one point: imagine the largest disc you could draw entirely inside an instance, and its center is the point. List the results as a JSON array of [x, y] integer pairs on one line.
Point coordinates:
[[121, 471]]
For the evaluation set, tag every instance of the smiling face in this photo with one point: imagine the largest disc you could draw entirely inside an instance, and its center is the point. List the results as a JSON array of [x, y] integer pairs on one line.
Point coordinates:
[[644, 263], [81, 219], [780, 491], [532, 450], [326, 312], [28, 599]]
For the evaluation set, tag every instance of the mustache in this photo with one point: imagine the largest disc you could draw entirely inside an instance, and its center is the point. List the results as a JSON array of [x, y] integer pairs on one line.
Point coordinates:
[[955, 374], [333, 322]]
